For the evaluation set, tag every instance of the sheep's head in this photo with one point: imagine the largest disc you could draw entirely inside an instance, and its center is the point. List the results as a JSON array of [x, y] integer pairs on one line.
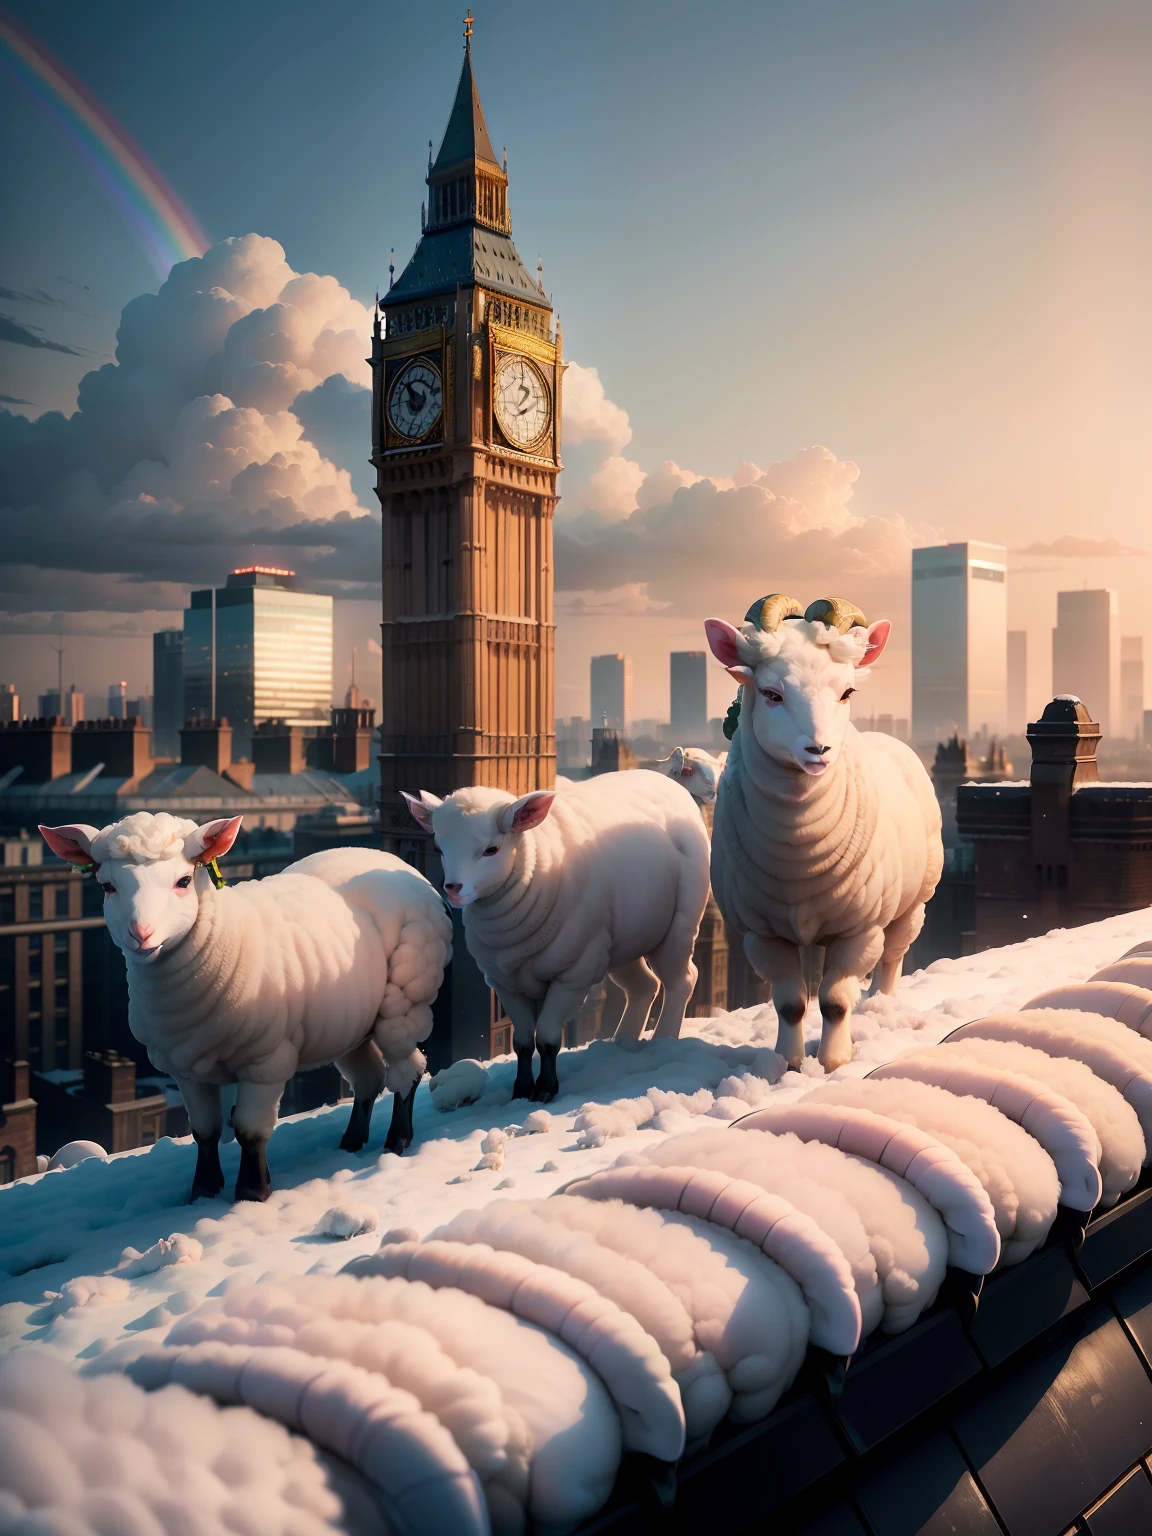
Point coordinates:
[[150, 869], [697, 770], [799, 668], [476, 833]]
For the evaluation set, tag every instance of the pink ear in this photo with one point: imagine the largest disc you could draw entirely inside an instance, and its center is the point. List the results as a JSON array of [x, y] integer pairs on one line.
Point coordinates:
[[877, 639], [73, 843], [215, 838], [723, 638], [527, 812], [421, 814]]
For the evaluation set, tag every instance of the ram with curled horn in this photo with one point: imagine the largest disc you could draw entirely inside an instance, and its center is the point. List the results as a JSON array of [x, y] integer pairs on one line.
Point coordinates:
[[826, 841]]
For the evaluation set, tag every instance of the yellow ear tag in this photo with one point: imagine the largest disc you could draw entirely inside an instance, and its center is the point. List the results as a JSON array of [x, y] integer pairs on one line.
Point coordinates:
[[214, 874]]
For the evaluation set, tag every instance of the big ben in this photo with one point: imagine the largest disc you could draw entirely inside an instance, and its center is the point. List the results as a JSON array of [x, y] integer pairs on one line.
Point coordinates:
[[467, 369]]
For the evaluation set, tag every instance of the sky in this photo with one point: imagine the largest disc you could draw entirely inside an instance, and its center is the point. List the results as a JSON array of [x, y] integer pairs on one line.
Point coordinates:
[[835, 279]]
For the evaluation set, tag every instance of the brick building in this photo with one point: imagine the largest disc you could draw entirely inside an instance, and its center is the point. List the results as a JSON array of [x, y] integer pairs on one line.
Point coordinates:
[[17, 1122], [1062, 849]]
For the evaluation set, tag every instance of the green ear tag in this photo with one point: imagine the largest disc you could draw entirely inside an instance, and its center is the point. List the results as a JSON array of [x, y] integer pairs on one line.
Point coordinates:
[[732, 718], [213, 869]]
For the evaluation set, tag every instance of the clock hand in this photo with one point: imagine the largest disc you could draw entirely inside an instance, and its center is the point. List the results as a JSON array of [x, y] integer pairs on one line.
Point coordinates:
[[525, 393], [417, 399]]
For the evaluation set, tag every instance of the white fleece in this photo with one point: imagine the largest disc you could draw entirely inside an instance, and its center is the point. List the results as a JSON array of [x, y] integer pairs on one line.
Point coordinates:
[[1115, 1053], [893, 1239], [1109, 993], [1018, 1175], [1115, 1122], [514, 1226], [746, 1311]]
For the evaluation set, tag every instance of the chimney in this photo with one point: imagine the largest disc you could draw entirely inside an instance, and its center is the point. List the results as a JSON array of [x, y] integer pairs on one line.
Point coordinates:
[[42, 748], [240, 773], [123, 746], [278, 747], [109, 1078], [13, 1081], [1063, 743], [206, 744], [352, 739]]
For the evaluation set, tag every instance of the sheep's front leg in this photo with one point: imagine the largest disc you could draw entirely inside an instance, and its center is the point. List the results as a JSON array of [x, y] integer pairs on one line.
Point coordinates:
[[363, 1069], [522, 1011], [777, 962], [255, 1120], [846, 962], [560, 1004], [202, 1101], [639, 984], [899, 936]]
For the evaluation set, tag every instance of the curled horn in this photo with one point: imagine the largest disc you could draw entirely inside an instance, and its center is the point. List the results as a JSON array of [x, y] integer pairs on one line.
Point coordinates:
[[837, 612], [767, 612]]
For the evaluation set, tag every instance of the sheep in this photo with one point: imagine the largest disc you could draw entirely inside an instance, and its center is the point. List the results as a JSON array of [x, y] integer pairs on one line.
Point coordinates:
[[608, 878], [337, 959], [698, 771], [823, 838]]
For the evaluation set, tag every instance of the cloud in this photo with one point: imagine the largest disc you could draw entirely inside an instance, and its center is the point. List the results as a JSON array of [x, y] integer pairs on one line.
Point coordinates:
[[28, 336], [337, 416], [631, 601], [589, 416], [1070, 546], [612, 488], [37, 296], [186, 455], [15, 400], [714, 545]]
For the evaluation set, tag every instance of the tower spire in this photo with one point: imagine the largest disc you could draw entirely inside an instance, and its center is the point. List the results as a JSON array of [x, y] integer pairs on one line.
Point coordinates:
[[468, 20]]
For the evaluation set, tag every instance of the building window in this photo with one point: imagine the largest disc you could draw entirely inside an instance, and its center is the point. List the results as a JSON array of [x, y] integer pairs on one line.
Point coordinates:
[[62, 893], [8, 905], [35, 903]]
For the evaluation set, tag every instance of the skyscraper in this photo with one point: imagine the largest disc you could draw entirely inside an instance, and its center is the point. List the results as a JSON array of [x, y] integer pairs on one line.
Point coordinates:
[[1132, 686], [257, 649], [1017, 680], [611, 688], [167, 691], [959, 640], [1086, 653], [9, 704], [118, 701], [688, 676]]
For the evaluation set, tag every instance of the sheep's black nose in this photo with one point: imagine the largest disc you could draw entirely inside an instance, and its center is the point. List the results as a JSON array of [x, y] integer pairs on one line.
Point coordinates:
[[815, 750]]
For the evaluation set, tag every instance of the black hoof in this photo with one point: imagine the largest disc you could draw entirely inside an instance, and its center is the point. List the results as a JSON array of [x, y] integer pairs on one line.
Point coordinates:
[[205, 1192], [352, 1141], [522, 1090], [544, 1093], [258, 1192], [397, 1144]]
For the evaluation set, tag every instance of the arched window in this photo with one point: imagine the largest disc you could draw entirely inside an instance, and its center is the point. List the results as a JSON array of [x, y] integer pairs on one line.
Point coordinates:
[[7, 1164]]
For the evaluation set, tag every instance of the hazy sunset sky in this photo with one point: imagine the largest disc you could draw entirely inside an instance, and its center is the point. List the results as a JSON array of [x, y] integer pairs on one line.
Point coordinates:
[[915, 236]]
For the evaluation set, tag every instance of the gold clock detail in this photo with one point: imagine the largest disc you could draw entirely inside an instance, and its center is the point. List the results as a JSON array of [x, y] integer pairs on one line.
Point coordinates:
[[416, 399], [523, 409]]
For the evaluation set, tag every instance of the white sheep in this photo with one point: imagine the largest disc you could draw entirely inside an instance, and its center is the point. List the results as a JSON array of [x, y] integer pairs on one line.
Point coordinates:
[[823, 837], [337, 959], [698, 771], [608, 878]]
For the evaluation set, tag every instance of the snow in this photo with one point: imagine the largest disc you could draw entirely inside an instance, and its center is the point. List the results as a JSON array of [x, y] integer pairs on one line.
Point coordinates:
[[106, 1260]]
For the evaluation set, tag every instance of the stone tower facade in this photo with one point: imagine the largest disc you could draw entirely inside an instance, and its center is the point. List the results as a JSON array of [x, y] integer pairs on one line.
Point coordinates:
[[467, 368]]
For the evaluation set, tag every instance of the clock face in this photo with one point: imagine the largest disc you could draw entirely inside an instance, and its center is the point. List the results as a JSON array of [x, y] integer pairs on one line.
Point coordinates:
[[521, 401], [415, 399]]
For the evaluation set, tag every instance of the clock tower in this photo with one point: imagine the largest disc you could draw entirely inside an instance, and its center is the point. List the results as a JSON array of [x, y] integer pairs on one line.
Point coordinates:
[[466, 370]]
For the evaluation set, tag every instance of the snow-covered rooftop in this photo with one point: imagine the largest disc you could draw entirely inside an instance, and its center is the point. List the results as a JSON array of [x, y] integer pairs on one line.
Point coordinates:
[[100, 1258]]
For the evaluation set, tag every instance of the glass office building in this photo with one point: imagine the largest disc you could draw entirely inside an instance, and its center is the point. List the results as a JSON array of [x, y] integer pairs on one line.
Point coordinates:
[[257, 649], [959, 641], [688, 678], [1086, 653], [611, 691]]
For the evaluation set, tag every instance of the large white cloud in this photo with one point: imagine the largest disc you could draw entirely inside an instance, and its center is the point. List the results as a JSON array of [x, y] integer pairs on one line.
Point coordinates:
[[712, 545], [589, 415], [185, 455]]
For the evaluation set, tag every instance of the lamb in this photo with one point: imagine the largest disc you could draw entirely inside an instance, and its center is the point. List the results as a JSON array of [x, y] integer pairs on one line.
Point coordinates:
[[337, 959], [557, 891], [823, 838], [698, 771]]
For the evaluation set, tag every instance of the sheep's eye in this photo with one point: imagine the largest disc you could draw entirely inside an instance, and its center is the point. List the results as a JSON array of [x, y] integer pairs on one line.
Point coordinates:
[[184, 882], [490, 850], [772, 696], [109, 890], [846, 695]]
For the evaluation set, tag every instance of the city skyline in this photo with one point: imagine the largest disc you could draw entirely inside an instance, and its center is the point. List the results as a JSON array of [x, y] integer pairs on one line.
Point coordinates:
[[901, 306]]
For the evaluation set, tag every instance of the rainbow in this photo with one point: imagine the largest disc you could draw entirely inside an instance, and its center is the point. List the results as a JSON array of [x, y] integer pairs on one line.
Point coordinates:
[[164, 226]]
